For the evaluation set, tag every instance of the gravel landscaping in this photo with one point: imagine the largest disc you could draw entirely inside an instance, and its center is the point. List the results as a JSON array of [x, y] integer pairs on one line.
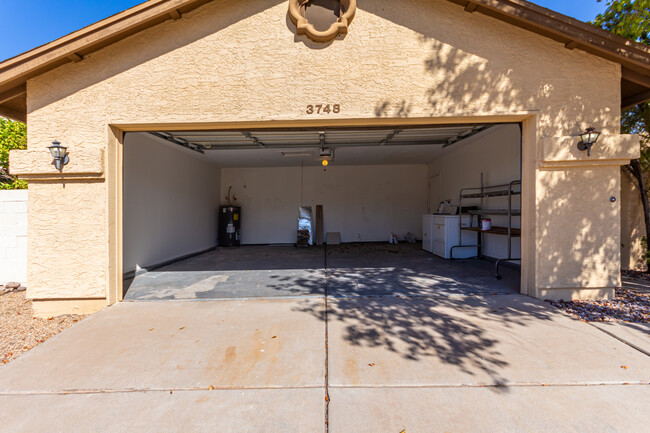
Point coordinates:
[[627, 306], [21, 331]]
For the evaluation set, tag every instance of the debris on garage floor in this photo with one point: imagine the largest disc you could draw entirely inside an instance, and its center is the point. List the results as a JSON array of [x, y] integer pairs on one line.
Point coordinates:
[[627, 306], [373, 248], [20, 330]]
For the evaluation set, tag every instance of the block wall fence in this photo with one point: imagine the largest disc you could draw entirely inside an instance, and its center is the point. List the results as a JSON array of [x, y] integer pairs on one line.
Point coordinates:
[[13, 236]]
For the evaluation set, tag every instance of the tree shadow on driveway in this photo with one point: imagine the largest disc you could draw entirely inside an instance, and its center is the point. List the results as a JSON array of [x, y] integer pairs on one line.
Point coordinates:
[[423, 311]]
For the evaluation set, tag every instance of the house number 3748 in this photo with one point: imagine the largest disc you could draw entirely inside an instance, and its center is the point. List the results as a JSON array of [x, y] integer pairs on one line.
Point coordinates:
[[323, 109]]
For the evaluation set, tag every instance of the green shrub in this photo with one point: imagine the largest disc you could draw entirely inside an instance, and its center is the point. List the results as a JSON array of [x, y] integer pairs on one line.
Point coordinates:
[[13, 135]]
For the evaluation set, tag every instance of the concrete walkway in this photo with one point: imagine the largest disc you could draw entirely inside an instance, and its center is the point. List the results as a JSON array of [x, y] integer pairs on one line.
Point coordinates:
[[452, 363], [636, 335]]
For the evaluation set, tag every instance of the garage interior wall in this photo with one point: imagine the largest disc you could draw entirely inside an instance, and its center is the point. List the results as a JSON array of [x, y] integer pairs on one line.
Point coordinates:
[[171, 200], [364, 203], [496, 153]]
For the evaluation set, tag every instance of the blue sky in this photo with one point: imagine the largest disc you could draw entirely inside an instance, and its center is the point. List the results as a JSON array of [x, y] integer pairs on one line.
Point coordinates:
[[29, 23]]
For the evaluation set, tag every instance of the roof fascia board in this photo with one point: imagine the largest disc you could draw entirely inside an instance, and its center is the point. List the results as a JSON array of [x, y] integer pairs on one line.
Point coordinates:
[[120, 16], [571, 31]]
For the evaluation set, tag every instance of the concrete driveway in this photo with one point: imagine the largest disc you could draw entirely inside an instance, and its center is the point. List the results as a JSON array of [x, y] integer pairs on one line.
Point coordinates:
[[456, 363]]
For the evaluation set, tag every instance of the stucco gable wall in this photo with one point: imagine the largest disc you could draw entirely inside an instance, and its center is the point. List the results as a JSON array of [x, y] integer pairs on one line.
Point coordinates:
[[233, 60]]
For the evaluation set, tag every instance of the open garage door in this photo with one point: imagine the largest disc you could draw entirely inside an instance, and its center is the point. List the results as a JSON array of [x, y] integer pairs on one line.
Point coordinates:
[[363, 188]]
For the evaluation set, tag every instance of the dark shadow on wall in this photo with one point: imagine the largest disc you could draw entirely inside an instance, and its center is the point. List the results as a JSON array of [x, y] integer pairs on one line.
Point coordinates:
[[473, 72], [478, 65], [579, 254]]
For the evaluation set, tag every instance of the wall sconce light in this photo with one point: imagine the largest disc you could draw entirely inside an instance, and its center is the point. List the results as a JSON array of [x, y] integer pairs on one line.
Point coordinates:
[[60, 155], [588, 139]]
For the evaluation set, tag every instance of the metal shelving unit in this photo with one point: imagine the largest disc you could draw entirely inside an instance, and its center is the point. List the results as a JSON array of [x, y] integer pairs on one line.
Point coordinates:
[[484, 192]]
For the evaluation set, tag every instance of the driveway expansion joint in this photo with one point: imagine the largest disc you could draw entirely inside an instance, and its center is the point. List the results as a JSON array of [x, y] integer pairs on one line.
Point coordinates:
[[327, 350], [157, 390], [622, 340], [505, 385]]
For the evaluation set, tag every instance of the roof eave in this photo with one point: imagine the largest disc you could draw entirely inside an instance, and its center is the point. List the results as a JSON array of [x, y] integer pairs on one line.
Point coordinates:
[[574, 34], [15, 72]]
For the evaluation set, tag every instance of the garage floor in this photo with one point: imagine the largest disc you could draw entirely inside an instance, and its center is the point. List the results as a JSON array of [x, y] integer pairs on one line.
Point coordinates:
[[361, 269]]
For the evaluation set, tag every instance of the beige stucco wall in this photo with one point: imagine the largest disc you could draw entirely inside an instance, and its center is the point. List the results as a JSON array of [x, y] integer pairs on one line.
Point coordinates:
[[234, 61], [632, 225]]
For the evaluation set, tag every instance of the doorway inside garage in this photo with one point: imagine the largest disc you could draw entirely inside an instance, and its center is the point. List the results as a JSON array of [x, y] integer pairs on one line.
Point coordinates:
[[302, 212]]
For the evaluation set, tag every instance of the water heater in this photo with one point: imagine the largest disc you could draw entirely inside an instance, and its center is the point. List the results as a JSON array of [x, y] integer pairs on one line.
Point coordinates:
[[229, 226]]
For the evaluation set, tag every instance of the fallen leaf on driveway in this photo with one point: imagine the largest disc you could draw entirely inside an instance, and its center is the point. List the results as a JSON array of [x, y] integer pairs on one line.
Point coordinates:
[[624, 367], [151, 329], [211, 387], [181, 328], [372, 364]]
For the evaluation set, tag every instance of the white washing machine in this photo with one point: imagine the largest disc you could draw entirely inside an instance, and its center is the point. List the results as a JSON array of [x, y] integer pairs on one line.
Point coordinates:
[[440, 233]]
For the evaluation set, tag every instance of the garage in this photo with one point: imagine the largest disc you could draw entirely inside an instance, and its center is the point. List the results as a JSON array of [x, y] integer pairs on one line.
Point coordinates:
[[172, 109], [308, 212]]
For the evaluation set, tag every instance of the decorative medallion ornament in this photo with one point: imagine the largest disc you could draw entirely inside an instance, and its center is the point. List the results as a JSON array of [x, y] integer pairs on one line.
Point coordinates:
[[322, 20]]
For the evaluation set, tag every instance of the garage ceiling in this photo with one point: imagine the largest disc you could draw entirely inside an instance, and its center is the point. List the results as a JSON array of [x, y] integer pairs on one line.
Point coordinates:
[[296, 147]]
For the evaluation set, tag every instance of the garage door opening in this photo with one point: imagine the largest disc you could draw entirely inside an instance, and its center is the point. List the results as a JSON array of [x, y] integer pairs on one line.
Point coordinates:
[[410, 211]]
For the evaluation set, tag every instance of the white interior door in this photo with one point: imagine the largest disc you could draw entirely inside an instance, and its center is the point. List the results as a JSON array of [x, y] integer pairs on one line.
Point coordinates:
[[434, 193]]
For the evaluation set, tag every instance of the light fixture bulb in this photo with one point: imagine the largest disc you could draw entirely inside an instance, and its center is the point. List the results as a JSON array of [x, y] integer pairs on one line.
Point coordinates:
[[60, 155], [325, 163], [588, 139]]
